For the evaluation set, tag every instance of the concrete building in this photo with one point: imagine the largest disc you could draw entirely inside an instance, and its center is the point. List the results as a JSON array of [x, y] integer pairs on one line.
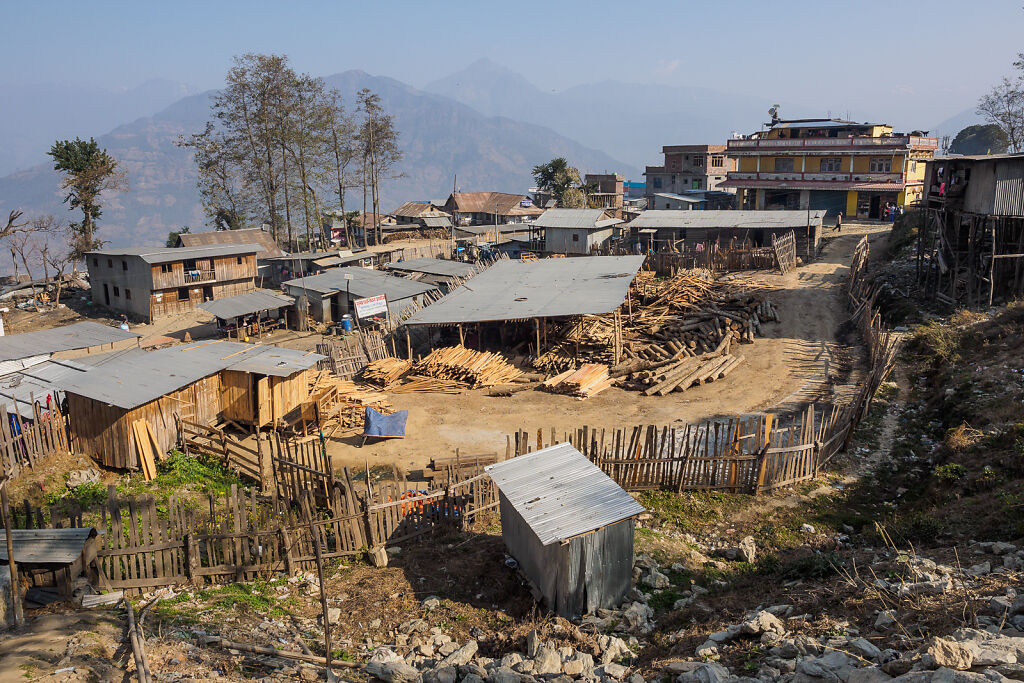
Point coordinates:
[[688, 167], [481, 208], [608, 190], [829, 164], [153, 282], [578, 232]]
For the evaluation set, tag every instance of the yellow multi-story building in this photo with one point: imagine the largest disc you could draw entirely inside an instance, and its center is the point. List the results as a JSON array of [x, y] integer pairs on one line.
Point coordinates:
[[839, 166]]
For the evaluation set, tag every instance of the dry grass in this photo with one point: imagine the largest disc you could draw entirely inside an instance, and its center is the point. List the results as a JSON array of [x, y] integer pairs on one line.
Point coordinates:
[[961, 438]]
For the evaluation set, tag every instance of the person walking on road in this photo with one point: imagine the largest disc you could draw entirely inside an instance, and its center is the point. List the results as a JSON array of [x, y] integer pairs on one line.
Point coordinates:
[[839, 222]]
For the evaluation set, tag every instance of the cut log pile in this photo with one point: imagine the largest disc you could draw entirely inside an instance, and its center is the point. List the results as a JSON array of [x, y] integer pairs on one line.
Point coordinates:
[[354, 399], [386, 371], [590, 379], [471, 368]]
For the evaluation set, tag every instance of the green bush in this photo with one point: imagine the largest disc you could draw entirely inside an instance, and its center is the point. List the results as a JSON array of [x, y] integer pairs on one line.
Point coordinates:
[[950, 472]]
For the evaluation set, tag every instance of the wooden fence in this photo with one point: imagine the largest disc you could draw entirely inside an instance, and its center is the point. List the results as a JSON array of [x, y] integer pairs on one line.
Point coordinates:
[[346, 357], [785, 251], [25, 443]]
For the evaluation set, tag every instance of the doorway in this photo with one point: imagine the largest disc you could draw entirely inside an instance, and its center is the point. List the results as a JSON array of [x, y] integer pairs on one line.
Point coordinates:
[[208, 293], [106, 295], [874, 211]]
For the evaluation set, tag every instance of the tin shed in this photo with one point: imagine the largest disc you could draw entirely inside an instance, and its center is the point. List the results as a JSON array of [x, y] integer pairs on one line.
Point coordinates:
[[569, 526]]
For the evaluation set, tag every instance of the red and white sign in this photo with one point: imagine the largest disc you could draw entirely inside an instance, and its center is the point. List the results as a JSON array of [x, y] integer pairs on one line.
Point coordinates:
[[371, 306]]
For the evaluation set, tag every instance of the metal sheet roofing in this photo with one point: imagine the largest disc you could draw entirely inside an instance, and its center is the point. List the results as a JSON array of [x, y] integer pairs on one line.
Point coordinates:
[[133, 380], [433, 266], [340, 260], [169, 254], [18, 389], [726, 218], [436, 221], [561, 494], [816, 185], [680, 197], [513, 289], [588, 219], [501, 227], [244, 236], [246, 304], [46, 546], [76, 336], [364, 283]]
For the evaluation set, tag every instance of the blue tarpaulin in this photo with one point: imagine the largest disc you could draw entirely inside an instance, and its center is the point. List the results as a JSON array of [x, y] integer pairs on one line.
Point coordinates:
[[385, 426]]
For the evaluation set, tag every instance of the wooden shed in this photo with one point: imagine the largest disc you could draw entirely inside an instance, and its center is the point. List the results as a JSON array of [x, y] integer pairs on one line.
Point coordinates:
[[569, 526], [201, 382]]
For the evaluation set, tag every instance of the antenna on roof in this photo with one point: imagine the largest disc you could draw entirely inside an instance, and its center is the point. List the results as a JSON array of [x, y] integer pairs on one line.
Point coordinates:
[[773, 112]]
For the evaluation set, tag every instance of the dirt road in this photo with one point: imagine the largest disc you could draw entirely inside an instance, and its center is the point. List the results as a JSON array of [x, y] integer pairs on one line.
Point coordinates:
[[793, 363]]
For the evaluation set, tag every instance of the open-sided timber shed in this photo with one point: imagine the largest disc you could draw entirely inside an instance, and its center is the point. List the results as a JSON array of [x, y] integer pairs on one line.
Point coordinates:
[[201, 382], [569, 526]]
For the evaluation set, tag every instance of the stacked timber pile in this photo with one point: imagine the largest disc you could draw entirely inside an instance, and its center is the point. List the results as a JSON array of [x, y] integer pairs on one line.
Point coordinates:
[[351, 402], [471, 368], [678, 374], [386, 371], [589, 380]]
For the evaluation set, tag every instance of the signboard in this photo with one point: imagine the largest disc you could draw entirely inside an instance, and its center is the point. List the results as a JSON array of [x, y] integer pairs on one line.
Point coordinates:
[[526, 203], [371, 306]]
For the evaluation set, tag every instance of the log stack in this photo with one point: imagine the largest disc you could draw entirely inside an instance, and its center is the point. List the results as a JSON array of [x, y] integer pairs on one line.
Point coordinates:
[[471, 368], [386, 371], [589, 380]]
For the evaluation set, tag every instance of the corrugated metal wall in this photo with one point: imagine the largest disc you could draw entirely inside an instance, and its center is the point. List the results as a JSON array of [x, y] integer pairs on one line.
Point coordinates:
[[1009, 196]]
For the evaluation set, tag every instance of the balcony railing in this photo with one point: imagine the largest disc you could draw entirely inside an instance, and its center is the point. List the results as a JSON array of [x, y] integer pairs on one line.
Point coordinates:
[[904, 142], [194, 276], [826, 177]]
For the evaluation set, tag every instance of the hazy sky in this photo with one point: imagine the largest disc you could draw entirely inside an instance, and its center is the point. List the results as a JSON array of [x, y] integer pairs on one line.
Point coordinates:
[[920, 60]]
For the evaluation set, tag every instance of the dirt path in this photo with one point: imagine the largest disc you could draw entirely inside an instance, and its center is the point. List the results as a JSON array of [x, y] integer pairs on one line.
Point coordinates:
[[789, 366]]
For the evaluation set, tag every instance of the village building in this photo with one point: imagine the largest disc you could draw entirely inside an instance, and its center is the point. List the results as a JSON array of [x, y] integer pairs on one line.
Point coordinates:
[[660, 230], [857, 169], [482, 234], [688, 167], [693, 200], [605, 191], [200, 383], [972, 238], [569, 526], [421, 214], [480, 208], [433, 271], [330, 295], [257, 236], [251, 314], [577, 232], [633, 189], [152, 282]]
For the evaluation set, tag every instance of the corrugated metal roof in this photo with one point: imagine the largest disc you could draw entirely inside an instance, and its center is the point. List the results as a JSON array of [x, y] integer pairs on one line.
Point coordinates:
[[726, 218], [46, 546], [436, 221], [501, 228], [340, 260], [587, 219], [135, 379], [245, 304], [561, 494], [827, 123], [364, 283], [18, 389], [76, 336], [512, 289], [681, 198], [169, 254], [244, 236], [433, 266]]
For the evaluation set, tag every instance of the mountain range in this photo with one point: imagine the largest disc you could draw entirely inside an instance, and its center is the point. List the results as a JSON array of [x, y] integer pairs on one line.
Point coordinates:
[[483, 128]]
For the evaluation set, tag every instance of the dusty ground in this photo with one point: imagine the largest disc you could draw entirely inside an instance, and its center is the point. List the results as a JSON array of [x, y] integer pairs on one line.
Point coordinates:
[[790, 365]]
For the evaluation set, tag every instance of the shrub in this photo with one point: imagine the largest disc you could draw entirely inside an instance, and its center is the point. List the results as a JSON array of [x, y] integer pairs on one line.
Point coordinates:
[[950, 472]]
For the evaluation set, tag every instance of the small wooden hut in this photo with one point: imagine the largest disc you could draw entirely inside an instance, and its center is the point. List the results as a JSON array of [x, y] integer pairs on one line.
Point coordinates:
[[201, 382], [569, 526]]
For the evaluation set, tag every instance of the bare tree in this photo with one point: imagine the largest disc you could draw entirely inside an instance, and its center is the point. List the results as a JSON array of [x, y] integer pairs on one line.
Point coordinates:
[[1004, 106], [52, 239], [25, 245]]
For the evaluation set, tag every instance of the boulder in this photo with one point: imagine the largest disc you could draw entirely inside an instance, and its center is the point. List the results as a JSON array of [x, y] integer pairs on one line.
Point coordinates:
[[885, 619], [748, 549], [616, 671], [504, 674], [547, 661], [708, 672], [392, 672], [414, 626], [949, 654], [532, 643], [762, 622], [461, 656], [443, 674], [864, 648]]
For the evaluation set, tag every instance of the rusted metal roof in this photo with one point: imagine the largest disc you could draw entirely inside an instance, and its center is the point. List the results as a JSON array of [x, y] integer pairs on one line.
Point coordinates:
[[560, 494], [46, 546], [247, 236]]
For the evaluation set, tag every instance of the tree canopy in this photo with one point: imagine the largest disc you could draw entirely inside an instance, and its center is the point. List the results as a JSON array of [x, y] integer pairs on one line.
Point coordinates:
[[88, 172], [985, 138], [561, 180], [1003, 106]]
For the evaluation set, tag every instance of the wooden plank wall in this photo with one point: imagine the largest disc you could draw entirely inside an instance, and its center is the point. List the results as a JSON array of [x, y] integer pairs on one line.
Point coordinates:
[[25, 443]]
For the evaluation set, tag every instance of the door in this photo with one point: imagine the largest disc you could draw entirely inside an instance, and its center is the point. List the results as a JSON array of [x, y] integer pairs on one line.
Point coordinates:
[[265, 402], [106, 294]]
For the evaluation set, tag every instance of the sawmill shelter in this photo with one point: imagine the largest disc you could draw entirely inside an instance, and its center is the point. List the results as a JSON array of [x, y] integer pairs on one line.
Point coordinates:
[[570, 527], [18, 351], [330, 294], [202, 382], [575, 231], [432, 271], [251, 313], [676, 230], [152, 283]]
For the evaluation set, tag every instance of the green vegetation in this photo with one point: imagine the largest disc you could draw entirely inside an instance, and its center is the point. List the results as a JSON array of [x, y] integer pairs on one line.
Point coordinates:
[[950, 472], [690, 511], [179, 473], [88, 496]]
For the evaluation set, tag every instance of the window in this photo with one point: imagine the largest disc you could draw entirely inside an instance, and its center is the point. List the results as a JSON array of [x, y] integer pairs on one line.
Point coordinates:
[[717, 161], [698, 161], [117, 292], [657, 183], [183, 294], [784, 164], [110, 263], [124, 265], [831, 164], [127, 293], [238, 260], [575, 237], [881, 165], [166, 267], [95, 261], [913, 167]]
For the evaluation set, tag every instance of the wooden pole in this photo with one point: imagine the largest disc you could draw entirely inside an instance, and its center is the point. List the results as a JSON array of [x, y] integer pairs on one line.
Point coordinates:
[[408, 341], [462, 339], [323, 593], [274, 652], [536, 325], [138, 647], [19, 613], [992, 267]]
